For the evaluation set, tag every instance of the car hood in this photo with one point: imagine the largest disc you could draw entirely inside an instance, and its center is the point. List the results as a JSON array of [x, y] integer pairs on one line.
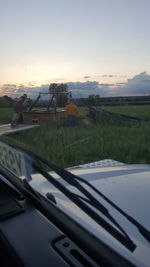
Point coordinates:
[[128, 186]]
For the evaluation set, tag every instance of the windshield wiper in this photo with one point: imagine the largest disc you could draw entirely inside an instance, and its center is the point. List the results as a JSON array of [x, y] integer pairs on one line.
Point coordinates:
[[144, 232], [66, 175], [123, 238], [94, 247], [80, 201], [71, 179]]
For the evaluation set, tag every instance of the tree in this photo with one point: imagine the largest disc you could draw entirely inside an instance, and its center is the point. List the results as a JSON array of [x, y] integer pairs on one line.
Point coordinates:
[[97, 100], [60, 93], [93, 100], [6, 101]]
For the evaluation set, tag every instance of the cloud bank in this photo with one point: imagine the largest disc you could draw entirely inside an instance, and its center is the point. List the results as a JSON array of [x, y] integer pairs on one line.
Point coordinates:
[[138, 85]]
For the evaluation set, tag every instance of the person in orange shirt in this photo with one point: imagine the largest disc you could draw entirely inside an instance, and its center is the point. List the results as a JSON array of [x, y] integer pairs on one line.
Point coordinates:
[[71, 111]]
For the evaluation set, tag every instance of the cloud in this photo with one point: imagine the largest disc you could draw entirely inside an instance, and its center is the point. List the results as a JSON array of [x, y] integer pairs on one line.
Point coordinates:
[[21, 90], [10, 85], [87, 77], [108, 76], [138, 85], [59, 80], [107, 84], [7, 89], [120, 83], [83, 89]]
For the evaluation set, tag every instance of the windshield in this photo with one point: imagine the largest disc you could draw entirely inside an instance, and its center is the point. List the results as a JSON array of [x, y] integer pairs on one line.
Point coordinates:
[[75, 90]]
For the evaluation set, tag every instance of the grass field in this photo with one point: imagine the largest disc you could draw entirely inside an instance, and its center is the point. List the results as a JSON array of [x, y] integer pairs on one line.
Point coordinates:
[[87, 142], [137, 111], [6, 115]]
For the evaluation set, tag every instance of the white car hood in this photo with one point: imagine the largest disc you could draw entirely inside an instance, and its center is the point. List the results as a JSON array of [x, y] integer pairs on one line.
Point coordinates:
[[128, 186]]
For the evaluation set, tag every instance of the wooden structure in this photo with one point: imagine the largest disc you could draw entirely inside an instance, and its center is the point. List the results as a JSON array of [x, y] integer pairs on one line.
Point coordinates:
[[50, 114], [43, 117]]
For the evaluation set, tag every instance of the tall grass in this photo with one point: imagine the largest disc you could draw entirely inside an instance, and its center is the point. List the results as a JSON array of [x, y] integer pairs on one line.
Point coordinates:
[[136, 110], [6, 115], [84, 143]]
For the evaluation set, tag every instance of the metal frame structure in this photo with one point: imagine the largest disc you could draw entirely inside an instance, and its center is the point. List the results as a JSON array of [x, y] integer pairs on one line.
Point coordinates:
[[53, 97]]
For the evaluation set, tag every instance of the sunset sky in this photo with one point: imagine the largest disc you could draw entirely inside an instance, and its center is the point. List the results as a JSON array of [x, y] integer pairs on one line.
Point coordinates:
[[101, 41]]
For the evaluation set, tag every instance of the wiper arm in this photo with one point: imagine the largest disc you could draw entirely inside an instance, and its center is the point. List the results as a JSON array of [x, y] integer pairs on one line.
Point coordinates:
[[122, 237], [67, 175], [94, 246], [145, 233], [71, 179]]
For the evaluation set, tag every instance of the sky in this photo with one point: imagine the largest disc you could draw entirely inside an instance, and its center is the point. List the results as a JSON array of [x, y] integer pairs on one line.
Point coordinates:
[[95, 46]]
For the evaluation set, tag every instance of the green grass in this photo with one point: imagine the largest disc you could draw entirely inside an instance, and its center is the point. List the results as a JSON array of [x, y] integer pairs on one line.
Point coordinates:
[[136, 111], [84, 143], [73, 146], [6, 115]]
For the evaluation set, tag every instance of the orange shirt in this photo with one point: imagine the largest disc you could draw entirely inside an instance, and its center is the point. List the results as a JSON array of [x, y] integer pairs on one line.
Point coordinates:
[[71, 109]]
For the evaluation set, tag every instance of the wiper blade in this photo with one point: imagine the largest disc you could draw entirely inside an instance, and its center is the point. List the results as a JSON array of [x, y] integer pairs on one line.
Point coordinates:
[[67, 175], [144, 232], [120, 235], [78, 233], [71, 179], [123, 238]]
